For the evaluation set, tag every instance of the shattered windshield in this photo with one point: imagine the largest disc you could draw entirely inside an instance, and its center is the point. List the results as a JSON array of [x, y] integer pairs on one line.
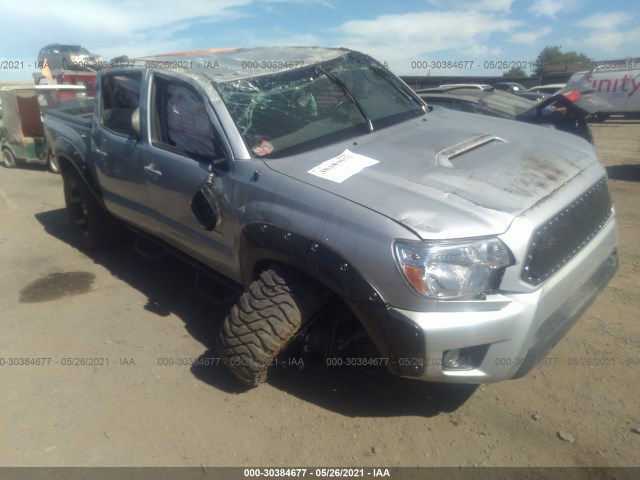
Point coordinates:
[[298, 110]]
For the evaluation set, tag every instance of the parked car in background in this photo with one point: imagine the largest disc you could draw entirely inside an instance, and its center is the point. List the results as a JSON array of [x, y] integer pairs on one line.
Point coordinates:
[[549, 89], [68, 57], [518, 89], [453, 86], [22, 137], [617, 89], [555, 111]]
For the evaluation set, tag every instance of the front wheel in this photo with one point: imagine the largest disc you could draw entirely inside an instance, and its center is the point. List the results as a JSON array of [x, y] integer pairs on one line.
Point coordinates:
[[93, 226], [265, 321], [8, 160]]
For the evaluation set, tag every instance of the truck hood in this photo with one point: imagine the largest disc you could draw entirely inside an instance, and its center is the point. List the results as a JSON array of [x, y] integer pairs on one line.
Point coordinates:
[[447, 174]]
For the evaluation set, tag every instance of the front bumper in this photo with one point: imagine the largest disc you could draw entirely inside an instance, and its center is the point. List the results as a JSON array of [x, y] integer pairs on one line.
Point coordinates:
[[503, 336]]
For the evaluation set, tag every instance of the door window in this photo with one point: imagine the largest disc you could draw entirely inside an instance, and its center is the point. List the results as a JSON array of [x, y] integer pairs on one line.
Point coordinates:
[[180, 121], [120, 98]]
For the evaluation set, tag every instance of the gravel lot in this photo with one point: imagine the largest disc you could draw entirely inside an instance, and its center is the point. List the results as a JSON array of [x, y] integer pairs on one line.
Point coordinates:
[[114, 306]]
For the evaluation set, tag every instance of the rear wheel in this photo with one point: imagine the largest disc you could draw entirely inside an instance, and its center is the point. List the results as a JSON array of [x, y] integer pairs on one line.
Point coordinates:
[[8, 160], [93, 225], [265, 321]]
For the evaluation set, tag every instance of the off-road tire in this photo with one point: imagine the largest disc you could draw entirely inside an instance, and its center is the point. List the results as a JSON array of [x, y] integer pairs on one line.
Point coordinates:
[[265, 320], [8, 160], [92, 224]]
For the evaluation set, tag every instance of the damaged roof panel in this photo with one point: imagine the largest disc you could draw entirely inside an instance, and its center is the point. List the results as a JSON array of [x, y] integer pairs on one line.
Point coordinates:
[[224, 64]]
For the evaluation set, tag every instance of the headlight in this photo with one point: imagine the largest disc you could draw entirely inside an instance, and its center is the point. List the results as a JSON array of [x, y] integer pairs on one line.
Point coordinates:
[[457, 269], [75, 58]]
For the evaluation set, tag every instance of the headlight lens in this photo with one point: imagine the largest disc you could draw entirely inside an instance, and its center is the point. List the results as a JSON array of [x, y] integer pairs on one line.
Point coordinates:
[[448, 270]]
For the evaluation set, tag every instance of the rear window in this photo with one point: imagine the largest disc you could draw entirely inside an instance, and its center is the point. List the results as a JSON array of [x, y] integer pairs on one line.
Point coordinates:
[[120, 98], [71, 48], [506, 104]]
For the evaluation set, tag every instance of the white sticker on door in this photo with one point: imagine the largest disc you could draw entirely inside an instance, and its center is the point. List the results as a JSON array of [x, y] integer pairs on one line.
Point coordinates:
[[345, 165]]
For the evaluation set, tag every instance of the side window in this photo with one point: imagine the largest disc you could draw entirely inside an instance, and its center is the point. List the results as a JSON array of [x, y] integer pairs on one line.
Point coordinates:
[[120, 98], [181, 123], [457, 106]]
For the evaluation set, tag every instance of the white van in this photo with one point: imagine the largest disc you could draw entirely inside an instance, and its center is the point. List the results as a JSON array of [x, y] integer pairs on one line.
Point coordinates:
[[619, 89]]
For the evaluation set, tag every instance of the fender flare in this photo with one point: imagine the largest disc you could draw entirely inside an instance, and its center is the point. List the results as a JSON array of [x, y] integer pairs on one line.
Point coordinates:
[[399, 341], [262, 243], [69, 157]]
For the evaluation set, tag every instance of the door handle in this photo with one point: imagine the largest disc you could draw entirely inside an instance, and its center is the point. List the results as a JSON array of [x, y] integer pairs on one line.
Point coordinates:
[[151, 170]]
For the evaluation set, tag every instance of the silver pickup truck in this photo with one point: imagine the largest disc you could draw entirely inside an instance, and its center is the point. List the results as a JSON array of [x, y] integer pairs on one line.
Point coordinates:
[[353, 221]]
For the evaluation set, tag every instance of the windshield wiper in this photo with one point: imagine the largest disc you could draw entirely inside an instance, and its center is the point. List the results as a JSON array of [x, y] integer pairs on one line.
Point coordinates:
[[344, 88]]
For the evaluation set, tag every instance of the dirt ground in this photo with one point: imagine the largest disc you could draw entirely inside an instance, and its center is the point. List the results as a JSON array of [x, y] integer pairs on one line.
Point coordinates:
[[114, 306]]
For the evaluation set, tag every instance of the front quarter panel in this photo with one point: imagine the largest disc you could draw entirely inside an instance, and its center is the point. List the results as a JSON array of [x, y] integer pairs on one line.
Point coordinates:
[[361, 237]]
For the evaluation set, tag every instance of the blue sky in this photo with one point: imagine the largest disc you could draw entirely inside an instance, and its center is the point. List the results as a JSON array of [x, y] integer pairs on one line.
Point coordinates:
[[400, 33]]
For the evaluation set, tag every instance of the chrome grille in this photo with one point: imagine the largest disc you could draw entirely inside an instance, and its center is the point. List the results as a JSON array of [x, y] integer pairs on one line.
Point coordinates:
[[559, 239]]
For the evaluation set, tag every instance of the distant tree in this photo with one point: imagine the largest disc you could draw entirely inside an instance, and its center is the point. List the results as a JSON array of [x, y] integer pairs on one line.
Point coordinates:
[[515, 72], [553, 56]]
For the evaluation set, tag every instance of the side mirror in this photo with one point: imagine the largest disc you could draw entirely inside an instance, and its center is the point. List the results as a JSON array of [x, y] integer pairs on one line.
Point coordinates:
[[135, 121]]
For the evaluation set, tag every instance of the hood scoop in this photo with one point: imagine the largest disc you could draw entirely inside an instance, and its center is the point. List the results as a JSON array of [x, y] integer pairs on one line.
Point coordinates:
[[445, 156]]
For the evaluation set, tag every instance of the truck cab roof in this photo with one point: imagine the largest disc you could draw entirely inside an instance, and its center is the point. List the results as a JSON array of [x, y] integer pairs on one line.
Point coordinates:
[[224, 64]]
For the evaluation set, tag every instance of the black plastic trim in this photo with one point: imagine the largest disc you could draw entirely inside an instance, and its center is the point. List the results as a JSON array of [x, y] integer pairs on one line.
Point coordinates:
[[266, 242], [399, 340]]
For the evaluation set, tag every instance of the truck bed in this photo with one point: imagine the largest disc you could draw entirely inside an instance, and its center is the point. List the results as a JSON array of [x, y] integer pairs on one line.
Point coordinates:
[[73, 124]]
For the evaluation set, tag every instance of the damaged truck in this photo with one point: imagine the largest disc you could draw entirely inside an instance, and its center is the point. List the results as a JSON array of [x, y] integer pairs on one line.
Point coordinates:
[[351, 219]]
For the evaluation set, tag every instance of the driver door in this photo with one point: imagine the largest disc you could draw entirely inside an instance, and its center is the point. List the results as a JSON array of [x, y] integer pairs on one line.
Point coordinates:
[[187, 175]]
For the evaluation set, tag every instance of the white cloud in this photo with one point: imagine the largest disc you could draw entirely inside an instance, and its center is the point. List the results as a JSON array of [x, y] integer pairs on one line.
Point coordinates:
[[104, 25], [618, 44], [135, 27], [422, 32], [531, 36], [604, 21], [607, 34], [478, 50], [550, 8], [478, 5], [490, 5], [403, 38]]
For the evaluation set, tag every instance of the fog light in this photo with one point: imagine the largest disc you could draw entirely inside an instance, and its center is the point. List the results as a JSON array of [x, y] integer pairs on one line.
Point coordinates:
[[451, 358], [464, 358]]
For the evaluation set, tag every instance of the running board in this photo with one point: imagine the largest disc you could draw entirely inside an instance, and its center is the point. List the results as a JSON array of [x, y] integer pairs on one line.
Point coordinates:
[[214, 289], [148, 249]]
